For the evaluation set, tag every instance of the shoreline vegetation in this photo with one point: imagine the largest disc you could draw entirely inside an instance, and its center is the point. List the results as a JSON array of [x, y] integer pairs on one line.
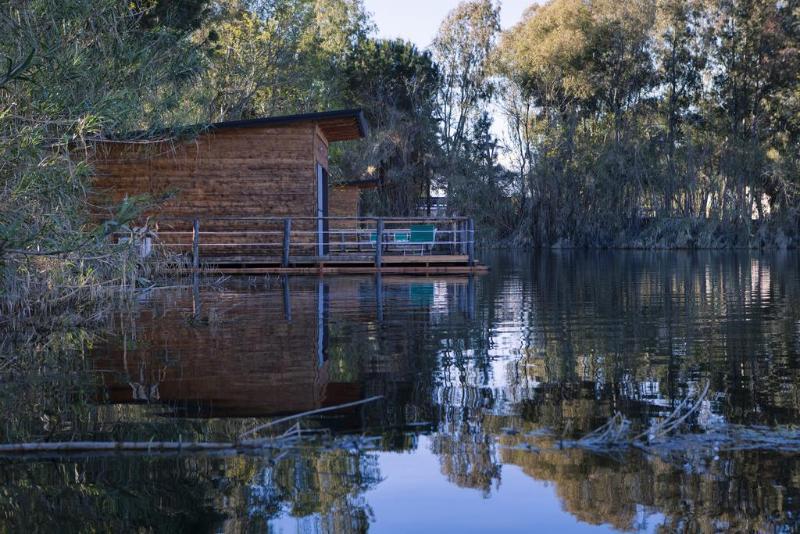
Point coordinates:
[[685, 234]]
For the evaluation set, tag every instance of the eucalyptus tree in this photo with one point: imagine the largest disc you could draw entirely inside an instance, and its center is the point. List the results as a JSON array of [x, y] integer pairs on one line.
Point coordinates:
[[461, 51], [755, 73], [543, 62], [680, 49], [578, 83], [280, 56]]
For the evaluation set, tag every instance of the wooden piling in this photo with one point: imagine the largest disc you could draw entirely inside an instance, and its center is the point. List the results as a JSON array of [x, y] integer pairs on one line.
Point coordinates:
[[196, 244], [378, 244], [287, 235]]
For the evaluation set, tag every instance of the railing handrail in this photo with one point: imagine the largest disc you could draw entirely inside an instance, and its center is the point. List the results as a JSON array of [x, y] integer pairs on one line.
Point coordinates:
[[191, 218], [441, 235]]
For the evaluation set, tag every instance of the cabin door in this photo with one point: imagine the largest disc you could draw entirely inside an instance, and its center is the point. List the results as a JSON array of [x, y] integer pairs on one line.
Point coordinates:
[[322, 211]]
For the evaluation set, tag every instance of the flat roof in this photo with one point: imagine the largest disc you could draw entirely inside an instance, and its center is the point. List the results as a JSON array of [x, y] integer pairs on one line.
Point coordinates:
[[338, 125]]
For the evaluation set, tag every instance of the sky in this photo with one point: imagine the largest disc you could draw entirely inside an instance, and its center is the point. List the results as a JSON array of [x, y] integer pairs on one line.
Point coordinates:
[[418, 20]]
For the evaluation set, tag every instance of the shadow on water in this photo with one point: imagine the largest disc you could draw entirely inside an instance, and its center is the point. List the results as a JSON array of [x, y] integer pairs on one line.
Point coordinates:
[[489, 375]]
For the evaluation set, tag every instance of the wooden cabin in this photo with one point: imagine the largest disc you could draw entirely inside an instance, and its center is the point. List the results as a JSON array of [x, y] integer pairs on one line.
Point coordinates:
[[257, 193]]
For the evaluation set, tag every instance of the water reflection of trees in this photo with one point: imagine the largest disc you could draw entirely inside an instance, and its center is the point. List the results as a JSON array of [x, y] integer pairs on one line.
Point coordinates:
[[560, 341], [737, 492], [187, 494], [605, 332], [467, 452], [651, 325]]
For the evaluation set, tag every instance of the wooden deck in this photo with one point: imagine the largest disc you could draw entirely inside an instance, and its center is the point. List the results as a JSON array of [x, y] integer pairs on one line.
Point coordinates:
[[391, 265], [331, 245]]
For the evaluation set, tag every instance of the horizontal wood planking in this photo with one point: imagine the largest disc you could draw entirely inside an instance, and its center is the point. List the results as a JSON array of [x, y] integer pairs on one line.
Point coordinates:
[[340, 130], [344, 202], [245, 171]]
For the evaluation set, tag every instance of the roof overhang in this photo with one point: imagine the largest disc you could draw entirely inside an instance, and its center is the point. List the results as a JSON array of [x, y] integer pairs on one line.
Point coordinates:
[[339, 125]]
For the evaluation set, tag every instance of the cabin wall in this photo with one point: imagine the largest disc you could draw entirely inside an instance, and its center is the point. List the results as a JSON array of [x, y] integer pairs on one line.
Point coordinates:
[[344, 201], [246, 171], [320, 148], [253, 172]]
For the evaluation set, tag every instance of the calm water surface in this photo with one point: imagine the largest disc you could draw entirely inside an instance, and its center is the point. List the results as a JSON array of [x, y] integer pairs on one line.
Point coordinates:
[[483, 380]]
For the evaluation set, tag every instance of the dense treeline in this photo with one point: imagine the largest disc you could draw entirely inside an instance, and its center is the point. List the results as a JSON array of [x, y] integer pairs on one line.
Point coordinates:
[[680, 115], [667, 123]]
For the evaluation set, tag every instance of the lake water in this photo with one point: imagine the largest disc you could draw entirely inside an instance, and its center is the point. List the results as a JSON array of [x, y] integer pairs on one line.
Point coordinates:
[[485, 383]]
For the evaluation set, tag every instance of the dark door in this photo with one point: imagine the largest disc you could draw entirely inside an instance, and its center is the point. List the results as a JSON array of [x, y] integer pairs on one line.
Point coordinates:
[[323, 225]]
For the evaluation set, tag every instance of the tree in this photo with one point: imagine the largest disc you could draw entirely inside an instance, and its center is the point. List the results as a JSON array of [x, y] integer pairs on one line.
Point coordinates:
[[755, 63], [680, 54], [396, 85], [282, 56], [461, 50]]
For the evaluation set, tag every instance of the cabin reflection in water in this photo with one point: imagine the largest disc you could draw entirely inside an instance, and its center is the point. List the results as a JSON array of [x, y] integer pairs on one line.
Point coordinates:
[[253, 352]]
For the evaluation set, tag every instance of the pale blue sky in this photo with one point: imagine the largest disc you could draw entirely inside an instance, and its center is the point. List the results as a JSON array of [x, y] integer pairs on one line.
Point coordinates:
[[418, 20]]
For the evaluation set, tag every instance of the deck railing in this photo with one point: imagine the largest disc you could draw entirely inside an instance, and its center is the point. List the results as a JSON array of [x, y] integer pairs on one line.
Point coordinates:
[[290, 240]]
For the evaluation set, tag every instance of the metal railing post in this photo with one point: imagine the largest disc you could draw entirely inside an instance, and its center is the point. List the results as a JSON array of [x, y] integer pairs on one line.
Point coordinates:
[[378, 243], [287, 233], [471, 242], [196, 244]]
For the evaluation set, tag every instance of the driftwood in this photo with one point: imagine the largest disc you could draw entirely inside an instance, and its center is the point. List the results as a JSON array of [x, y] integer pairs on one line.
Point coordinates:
[[88, 446], [616, 431], [306, 414], [283, 440]]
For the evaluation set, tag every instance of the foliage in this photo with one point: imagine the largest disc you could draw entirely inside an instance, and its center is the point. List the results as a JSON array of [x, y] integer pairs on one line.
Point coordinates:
[[461, 49], [270, 57], [75, 69], [623, 115], [396, 85]]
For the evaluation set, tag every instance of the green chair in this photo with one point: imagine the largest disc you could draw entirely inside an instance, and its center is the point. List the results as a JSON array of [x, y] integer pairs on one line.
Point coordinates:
[[423, 235], [419, 238]]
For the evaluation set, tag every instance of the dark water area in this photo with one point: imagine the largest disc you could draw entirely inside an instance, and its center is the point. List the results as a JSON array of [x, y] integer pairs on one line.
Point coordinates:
[[483, 381]]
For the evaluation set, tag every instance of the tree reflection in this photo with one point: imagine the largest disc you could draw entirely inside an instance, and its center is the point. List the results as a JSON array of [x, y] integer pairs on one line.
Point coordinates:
[[739, 491], [187, 494]]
